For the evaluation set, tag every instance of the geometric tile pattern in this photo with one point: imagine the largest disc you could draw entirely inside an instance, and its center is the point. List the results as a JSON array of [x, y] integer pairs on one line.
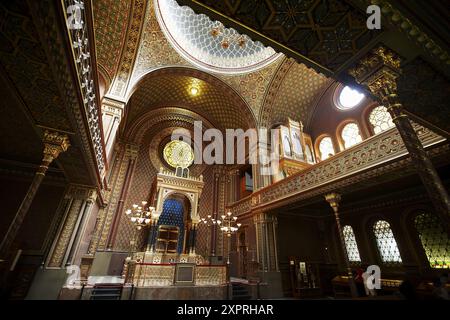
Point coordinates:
[[139, 190], [252, 86], [155, 51], [295, 95], [111, 21], [25, 62], [170, 87], [203, 240]]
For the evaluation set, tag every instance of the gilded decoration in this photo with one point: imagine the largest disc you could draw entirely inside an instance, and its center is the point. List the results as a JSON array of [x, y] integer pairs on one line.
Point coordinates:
[[294, 93], [156, 52], [54, 144], [375, 153], [127, 61], [328, 33], [178, 154], [110, 21], [379, 71], [169, 86], [412, 30]]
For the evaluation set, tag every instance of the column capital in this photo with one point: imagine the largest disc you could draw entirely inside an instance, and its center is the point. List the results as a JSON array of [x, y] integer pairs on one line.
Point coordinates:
[[131, 151], [81, 192], [333, 199], [54, 143], [113, 107], [379, 71]]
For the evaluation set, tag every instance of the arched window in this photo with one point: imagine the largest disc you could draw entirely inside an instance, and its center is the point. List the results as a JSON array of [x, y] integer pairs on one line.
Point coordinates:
[[350, 135], [349, 98], [350, 244], [326, 148], [380, 119], [435, 240], [387, 246]]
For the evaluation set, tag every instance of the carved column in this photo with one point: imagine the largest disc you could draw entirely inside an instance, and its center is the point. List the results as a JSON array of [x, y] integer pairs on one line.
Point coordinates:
[[112, 111], [215, 209], [233, 185], [54, 144], [379, 72], [333, 199], [192, 236], [77, 206], [152, 235], [131, 153], [266, 241]]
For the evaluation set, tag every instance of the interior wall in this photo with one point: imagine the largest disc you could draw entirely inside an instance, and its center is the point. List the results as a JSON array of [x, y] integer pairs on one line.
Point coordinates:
[[37, 230], [139, 190]]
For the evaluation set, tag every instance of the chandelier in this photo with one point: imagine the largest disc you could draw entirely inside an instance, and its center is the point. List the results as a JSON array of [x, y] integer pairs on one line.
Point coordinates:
[[228, 224], [140, 215], [228, 36]]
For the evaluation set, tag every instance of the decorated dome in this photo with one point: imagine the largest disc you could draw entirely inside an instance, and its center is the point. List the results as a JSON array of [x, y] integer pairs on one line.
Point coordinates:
[[208, 44]]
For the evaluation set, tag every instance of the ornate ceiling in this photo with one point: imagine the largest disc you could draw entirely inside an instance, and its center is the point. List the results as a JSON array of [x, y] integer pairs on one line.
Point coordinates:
[[216, 101], [207, 44], [294, 94], [323, 34], [111, 21], [331, 36], [42, 93], [425, 93]]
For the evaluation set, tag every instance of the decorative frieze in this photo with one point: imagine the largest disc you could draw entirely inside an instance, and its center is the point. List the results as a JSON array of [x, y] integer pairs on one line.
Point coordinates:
[[373, 152], [77, 29]]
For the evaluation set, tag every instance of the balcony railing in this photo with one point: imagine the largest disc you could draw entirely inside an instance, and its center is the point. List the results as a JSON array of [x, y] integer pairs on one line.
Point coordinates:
[[373, 152], [79, 27]]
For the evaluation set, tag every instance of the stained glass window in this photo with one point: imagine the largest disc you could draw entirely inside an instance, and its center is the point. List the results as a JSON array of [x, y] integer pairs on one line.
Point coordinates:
[[380, 119], [435, 240], [350, 244], [178, 153], [351, 135], [326, 148], [387, 246]]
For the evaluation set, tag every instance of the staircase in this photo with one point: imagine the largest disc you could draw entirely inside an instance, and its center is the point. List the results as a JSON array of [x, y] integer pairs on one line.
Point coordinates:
[[240, 292], [106, 292]]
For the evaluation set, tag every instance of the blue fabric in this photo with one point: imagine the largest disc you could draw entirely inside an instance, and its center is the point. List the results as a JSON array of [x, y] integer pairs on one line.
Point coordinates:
[[172, 215]]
